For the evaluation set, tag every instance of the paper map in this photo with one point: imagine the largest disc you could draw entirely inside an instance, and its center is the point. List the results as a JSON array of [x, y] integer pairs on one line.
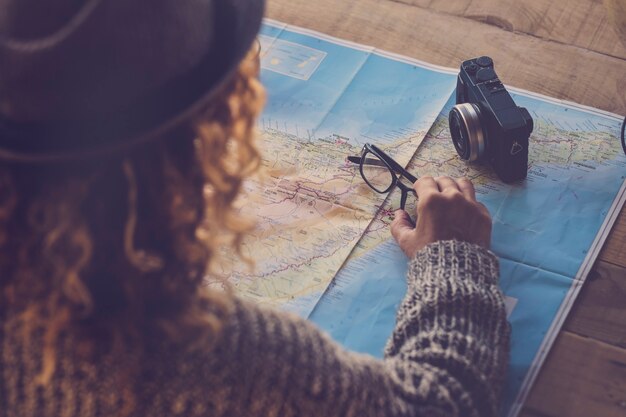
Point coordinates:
[[322, 245]]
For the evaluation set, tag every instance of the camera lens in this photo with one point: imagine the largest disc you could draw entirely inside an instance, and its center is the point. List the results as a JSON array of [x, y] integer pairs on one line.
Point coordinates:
[[466, 130]]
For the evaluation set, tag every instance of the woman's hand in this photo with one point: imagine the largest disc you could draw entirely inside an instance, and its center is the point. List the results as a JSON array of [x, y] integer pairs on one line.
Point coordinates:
[[446, 209]]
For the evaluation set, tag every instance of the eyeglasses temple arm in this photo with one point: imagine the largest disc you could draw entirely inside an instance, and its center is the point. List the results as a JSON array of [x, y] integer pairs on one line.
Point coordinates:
[[393, 164], [368, 161], [403, 199]]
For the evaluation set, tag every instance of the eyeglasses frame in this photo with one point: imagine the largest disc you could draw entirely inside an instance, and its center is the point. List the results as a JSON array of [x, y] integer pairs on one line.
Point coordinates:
[[395, 169]]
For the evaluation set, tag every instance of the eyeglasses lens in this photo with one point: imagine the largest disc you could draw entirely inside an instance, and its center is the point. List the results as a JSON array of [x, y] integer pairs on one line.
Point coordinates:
[[376, 173]]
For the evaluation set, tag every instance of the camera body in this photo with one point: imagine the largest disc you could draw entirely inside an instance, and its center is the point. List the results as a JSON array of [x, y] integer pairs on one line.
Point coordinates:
[[486, 124]]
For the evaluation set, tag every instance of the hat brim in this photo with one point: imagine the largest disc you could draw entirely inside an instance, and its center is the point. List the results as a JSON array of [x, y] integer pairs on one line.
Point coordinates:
[[154, 114]]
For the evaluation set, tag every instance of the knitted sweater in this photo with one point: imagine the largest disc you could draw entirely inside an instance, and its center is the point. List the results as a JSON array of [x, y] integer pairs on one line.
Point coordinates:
[[446, 357]]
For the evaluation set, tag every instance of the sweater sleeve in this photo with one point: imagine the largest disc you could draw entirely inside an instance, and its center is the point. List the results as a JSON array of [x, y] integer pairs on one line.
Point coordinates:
[[446, 357], [452, 324]]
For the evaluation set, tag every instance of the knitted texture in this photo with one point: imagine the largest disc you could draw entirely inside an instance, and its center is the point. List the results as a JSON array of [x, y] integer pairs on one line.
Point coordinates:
[[446, 357]]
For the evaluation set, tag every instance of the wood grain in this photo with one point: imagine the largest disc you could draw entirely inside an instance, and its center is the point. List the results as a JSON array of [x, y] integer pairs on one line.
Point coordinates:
[[549, 68], [581, 378], [600, 310], [580, 23], [614, 249]]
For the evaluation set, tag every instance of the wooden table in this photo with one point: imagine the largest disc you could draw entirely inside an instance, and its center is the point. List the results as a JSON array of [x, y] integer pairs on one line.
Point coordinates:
[[563, 49]]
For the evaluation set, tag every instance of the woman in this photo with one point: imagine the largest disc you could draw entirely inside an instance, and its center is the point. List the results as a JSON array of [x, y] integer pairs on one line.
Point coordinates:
[[126, 130]]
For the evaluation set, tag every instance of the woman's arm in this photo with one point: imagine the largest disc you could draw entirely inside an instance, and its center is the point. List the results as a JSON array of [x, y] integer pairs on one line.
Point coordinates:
[[453, 323]]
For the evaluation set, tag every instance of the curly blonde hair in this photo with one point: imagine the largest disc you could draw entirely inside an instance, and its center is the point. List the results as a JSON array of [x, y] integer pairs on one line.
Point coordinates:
[[118, 247]]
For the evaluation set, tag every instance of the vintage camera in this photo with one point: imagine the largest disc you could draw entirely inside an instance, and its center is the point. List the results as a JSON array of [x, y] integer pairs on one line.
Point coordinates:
[[486, 124]]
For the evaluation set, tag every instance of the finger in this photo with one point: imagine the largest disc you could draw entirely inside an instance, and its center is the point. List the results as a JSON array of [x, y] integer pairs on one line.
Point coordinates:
[[425, 185], [446, 183], [483, 208], [467, 188], [401, 225]]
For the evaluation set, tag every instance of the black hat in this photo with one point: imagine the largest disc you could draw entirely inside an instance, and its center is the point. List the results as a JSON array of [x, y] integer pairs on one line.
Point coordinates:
[[83, 76]]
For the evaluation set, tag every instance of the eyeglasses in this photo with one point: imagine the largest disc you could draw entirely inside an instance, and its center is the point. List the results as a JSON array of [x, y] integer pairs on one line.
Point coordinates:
[[381, 172]]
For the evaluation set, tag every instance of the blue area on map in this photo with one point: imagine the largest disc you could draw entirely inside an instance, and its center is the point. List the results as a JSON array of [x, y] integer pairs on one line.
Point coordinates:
[[563, 117], [377, 108], [297, 106], [353, 93], [270, 31], [539, 295], [359, 308], [551, 220]]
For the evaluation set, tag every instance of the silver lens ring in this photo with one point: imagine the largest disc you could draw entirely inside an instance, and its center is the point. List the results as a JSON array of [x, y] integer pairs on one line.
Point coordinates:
[[470, 117]]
